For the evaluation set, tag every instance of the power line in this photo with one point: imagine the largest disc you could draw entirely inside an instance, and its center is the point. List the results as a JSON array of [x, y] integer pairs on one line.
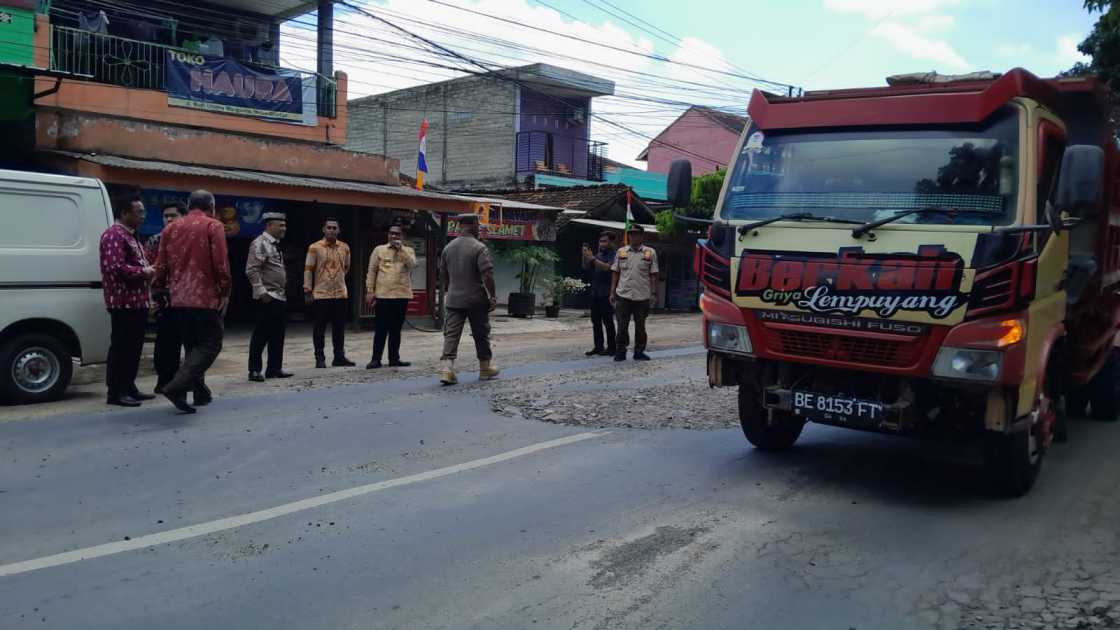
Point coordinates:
[[655, 57]]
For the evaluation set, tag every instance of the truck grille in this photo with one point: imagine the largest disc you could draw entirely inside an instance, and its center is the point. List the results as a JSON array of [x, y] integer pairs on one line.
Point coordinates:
[[860, 350], [717, 273]]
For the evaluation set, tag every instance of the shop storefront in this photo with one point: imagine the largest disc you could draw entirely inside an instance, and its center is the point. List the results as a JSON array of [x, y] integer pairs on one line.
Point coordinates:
[[364, 212]]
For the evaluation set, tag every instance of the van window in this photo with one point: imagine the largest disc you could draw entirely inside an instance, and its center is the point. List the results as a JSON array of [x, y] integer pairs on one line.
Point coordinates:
[[31, 220]]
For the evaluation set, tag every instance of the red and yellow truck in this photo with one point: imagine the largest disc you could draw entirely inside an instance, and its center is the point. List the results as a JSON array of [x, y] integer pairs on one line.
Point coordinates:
[[939, 257]]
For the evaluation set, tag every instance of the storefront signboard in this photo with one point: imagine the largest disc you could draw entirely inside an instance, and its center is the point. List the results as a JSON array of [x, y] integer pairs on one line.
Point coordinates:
[[226, 86]]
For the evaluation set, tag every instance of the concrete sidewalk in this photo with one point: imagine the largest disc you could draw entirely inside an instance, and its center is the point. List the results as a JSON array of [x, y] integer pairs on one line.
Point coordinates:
[[515, 342]]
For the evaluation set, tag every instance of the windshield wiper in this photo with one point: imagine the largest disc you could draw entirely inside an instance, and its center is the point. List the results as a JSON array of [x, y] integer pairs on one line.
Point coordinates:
[[871, 225], [795, 216]]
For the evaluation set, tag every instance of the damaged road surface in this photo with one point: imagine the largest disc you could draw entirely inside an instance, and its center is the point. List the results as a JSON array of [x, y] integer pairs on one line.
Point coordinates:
[[584, 494]]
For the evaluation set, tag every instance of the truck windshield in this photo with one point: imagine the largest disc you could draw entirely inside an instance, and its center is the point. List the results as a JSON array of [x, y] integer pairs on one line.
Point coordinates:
[[870, 174]]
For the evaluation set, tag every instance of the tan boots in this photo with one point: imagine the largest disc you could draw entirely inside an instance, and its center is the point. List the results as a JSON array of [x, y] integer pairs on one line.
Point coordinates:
[[447, 373], [486, 371]]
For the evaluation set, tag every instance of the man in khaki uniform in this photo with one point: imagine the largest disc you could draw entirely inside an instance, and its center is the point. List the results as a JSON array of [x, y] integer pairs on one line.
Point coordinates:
[[268, 277], [633, 289], [466, 274], [388, 291]]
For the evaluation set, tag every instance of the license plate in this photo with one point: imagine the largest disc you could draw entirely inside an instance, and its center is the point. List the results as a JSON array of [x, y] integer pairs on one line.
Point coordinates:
[[836, 408]]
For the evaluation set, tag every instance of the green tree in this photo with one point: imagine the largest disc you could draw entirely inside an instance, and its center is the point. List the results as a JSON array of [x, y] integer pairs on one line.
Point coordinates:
[[705, 195], [535, 261], [1102, 44]]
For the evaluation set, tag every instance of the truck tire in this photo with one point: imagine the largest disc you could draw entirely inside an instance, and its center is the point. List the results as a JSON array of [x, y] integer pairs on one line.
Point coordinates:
[[1102, 391], [1076, 402], [1013, 460], [34, 368], [759, 432]]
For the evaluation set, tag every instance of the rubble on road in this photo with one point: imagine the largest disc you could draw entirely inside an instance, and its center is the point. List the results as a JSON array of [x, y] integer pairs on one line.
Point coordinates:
[[669, 393]]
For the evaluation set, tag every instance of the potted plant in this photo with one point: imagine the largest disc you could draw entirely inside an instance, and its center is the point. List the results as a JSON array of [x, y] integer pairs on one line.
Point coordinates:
[[531, 259], [558, 287]]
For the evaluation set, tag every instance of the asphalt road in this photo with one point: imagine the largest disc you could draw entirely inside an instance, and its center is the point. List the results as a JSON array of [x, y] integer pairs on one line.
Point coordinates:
[[403, 505]]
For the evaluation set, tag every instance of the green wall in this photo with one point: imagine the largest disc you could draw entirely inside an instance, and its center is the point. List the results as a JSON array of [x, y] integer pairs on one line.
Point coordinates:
[[17, 36]]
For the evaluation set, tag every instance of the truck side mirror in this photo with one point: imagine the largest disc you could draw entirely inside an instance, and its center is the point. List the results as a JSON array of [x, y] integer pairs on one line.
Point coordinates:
[[1081, 179], [679, 185]]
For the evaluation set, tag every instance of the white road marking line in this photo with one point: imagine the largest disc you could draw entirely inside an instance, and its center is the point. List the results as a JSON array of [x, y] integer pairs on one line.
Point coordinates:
[[232, 522]]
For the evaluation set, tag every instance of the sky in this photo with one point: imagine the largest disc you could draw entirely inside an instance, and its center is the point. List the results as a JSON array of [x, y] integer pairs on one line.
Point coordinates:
[[667, 55]]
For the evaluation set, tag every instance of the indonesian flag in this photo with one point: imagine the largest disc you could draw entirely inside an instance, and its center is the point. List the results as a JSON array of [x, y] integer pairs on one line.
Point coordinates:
[[629, 220], [421, 160]]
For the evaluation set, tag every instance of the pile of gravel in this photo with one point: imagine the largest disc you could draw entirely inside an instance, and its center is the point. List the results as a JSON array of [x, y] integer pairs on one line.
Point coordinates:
[[630, 397]]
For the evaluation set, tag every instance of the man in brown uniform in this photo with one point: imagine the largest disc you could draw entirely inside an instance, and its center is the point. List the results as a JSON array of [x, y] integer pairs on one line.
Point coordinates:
[[467, 276]]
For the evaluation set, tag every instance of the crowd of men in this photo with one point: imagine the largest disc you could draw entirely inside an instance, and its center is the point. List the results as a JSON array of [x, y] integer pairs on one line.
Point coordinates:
[[183, 275]]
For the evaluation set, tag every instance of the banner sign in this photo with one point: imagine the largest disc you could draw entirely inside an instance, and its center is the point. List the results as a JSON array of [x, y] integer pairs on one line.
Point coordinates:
[[853, 282], [508, 231], [226, 86], [509, 225], [240, 216]]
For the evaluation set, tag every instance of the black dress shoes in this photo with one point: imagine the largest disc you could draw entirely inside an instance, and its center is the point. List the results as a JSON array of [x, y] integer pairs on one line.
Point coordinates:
[[256, 377], [593, 352], [342, 362], [136, 395], [122, 401], [280, 374], [373, 364], [399, 364], [180, 403]]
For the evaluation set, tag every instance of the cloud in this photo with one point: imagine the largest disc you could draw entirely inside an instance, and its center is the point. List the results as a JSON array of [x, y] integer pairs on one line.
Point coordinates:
[[935, 22], [910, 41], [908, 27], [1020, 49], [1067, 52], [379, 59], [880, 9]]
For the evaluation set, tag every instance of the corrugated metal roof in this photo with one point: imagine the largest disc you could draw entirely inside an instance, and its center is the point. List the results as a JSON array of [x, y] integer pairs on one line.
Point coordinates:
[[280, 179]]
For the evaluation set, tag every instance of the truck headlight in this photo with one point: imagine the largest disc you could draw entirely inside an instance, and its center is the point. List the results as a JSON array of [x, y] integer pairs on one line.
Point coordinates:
[[729, 337], [973, 365]]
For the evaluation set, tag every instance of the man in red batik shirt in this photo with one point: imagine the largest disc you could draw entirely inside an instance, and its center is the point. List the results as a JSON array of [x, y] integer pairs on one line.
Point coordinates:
[[194, 265], [125, 274]]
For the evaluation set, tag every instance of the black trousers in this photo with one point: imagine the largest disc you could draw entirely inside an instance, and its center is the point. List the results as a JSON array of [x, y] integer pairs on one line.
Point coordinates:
[[333, 311], [201, 330], [602, 321], [388, 317], [126, 343], [169, 346], [272, 323], [638, 310]]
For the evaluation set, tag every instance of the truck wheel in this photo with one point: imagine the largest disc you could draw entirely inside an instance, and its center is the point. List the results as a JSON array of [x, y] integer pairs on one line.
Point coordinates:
[[1077, 402], [760, 433], [1102, 391], [34, 368], [1013, 460], [1061, 421]]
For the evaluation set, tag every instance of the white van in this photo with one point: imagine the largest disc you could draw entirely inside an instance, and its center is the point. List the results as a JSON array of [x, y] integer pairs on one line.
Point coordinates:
[[51, 306]]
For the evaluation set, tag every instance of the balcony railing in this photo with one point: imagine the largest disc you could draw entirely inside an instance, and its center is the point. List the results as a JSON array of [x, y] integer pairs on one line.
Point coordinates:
[[135, 64], [555, 154]]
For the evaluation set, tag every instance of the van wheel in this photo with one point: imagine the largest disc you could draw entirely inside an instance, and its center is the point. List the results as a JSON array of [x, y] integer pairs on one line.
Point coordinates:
[[1102, 391], [759, 431], [34, 368], [1013, 460]]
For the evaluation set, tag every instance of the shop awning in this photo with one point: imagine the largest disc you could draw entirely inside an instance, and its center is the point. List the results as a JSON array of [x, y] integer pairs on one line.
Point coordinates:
[[174, 176]]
